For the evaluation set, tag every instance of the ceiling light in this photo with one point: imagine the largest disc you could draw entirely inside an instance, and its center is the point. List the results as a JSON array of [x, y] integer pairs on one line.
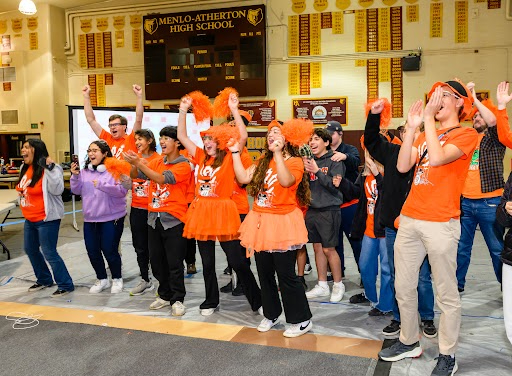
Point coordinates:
[[27, 7]]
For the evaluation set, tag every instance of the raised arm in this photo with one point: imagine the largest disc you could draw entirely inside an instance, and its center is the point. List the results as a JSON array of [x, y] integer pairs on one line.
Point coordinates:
[[377, 147], [407, 154], [503, 96], [139, 109], [438, 154], [485, 113], [89, 113], [284, 176], [233, 106], [185, 104]]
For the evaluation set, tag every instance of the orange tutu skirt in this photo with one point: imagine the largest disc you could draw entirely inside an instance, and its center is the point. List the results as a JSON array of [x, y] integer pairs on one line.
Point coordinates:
[[273, 232], [212, 219]]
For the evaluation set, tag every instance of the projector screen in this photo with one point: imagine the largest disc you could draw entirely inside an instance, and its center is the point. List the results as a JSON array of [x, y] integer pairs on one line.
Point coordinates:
[[81, 134]]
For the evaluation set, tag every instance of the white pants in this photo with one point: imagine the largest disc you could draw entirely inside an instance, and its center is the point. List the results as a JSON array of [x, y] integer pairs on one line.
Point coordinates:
[[507, 299]]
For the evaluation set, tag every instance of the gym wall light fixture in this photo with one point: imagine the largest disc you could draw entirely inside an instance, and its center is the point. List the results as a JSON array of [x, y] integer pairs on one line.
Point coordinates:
[[27, 7]]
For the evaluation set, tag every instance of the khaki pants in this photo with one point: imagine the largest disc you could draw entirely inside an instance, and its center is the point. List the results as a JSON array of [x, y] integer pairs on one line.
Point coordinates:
[[439, 240]]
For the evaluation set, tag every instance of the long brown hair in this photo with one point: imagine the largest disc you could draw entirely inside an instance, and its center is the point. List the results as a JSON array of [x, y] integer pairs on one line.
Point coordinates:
[[217, 161], [258, 181]]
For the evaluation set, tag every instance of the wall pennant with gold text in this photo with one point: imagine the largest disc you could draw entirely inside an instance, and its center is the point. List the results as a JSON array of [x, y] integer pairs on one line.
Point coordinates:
[[17, 24], [102, 23], [298, 6], [320, 5], [342, 4], [3, 26], [32, 23], [86, 25], [33, 41], [119, 22], [365, 3], [461, 22], [436, 20], [135, 21]]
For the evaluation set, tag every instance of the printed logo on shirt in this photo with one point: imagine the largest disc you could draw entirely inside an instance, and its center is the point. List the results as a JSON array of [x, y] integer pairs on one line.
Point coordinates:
[[207, 180], [313, 177], [475, 160], [159, 197], [371, 189], [422, 171], [265, 197], [141, 189], [23, 194], [117, 151]]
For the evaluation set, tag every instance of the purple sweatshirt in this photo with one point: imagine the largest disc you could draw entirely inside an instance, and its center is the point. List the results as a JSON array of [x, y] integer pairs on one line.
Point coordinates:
[[103, 203]]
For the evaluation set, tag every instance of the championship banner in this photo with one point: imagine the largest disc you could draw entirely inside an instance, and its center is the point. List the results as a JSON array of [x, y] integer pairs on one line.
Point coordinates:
[[136, 40], [293, 79], [384, 40], [338, 26], [305, 79], [33, 41], [32, 23], [119, 22], [119, 38], [321, 110], [107, 49], [262, 112], [3, 26], [17, 24], [372, 65], [326, 20], [365, 3], [100, 90], [109, 79], [86, 25], [360, 35], [412, 13], [342, 4], [293, 35], [436, 20], [304, 42], [102, 23], [91, 80], [397, 90], [315, 34], [91, 56], [493, 4], [461, 22], [136, 21], [316, 75], [82, 51], [298, 6], [320, 5], [99, 61]]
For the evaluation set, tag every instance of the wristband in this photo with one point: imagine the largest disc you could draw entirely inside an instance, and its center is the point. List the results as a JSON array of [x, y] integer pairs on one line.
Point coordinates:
[[235, 152], [182, 111]]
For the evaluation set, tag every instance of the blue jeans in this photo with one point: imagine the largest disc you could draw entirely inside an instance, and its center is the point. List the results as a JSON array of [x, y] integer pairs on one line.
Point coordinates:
[[482, 212], [371, 249], [41, 244], [425, 291], [347, 216], [102, 239]]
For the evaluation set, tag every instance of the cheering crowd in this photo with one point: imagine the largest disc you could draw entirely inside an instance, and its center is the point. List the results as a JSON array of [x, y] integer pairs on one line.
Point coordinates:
[[410, 212]]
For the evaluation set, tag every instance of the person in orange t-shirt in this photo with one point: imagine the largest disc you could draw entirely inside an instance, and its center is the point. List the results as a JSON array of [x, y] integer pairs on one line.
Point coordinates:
[[169, 178], [40, 187], [429, 221], [117, 138], [146, 147], [213, 214], [275, 227], [482, 192]]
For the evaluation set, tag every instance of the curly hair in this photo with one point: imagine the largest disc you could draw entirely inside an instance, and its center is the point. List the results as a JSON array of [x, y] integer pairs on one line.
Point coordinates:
[[258, 181]]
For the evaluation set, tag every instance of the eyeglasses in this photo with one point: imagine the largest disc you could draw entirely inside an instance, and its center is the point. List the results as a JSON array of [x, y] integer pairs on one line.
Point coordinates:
[[93, 150], [114, 125], [450, 94]]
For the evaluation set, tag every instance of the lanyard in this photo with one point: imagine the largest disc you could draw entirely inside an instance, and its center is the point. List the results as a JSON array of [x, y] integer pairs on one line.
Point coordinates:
[[439, 138]]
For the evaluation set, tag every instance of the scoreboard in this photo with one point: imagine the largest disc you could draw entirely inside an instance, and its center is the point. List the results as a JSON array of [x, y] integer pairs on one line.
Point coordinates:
[[205, 50]]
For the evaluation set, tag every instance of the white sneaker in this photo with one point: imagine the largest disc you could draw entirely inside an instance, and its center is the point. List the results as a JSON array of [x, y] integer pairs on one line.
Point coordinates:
[[99, 286], [260, 311], [308, 269], [317, 292], [337, 292], [297, 330], [266, 324], [178, 309], [142, 287], [117, 286], [159, 303], [207, 311]]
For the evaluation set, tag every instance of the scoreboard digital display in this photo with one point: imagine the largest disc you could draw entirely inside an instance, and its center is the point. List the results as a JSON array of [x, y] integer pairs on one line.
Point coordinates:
[[205, 50]]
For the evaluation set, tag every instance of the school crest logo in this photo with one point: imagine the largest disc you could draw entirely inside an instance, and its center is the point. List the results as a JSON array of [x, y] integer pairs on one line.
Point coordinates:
[[254, 16], [150, 25]]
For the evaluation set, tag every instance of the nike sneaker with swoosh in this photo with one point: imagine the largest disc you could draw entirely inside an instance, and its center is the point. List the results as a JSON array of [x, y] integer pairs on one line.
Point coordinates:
[[297, 330]]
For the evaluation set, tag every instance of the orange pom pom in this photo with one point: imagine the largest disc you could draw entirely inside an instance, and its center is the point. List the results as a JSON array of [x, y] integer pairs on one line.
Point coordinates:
[[222, 134], [385, 115], [297, 131], [117, 167], [220, 104], [201, 106]]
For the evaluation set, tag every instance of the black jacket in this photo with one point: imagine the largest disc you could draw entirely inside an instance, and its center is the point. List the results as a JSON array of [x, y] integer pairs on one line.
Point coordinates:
[[354, 190], [396, 185], [505, 220]]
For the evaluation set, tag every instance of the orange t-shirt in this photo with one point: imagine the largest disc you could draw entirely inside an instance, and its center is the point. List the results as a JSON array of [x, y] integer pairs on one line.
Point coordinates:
[[140, 188], [170, 198], [192, 182], [275, 198], [473, 185], [31, 198], [370, 190], [240, 194], [214, 183], [435, 192], [120, 145]]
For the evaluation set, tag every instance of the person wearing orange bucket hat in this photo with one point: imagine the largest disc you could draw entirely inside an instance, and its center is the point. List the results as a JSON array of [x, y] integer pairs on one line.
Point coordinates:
[[275, 227], [429, 221], [213, 216]]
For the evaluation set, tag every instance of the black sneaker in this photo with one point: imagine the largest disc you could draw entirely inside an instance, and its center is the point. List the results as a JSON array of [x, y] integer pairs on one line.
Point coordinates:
[[358, 299], [446, 366], [399, 351], [303, 281], [59, 292], [36, 287], [227, 271], [378, 312], [329, 277], [238, 290], [228, 288], [191, 269], [461, 290], [429, 329], [392, 329], [308, 269]]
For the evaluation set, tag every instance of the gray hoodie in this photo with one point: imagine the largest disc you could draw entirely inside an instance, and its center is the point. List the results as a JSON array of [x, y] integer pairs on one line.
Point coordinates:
[[324, 195], [53, 186]]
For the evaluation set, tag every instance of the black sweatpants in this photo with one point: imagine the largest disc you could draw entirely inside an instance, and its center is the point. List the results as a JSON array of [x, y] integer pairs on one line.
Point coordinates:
[[139, 227]]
